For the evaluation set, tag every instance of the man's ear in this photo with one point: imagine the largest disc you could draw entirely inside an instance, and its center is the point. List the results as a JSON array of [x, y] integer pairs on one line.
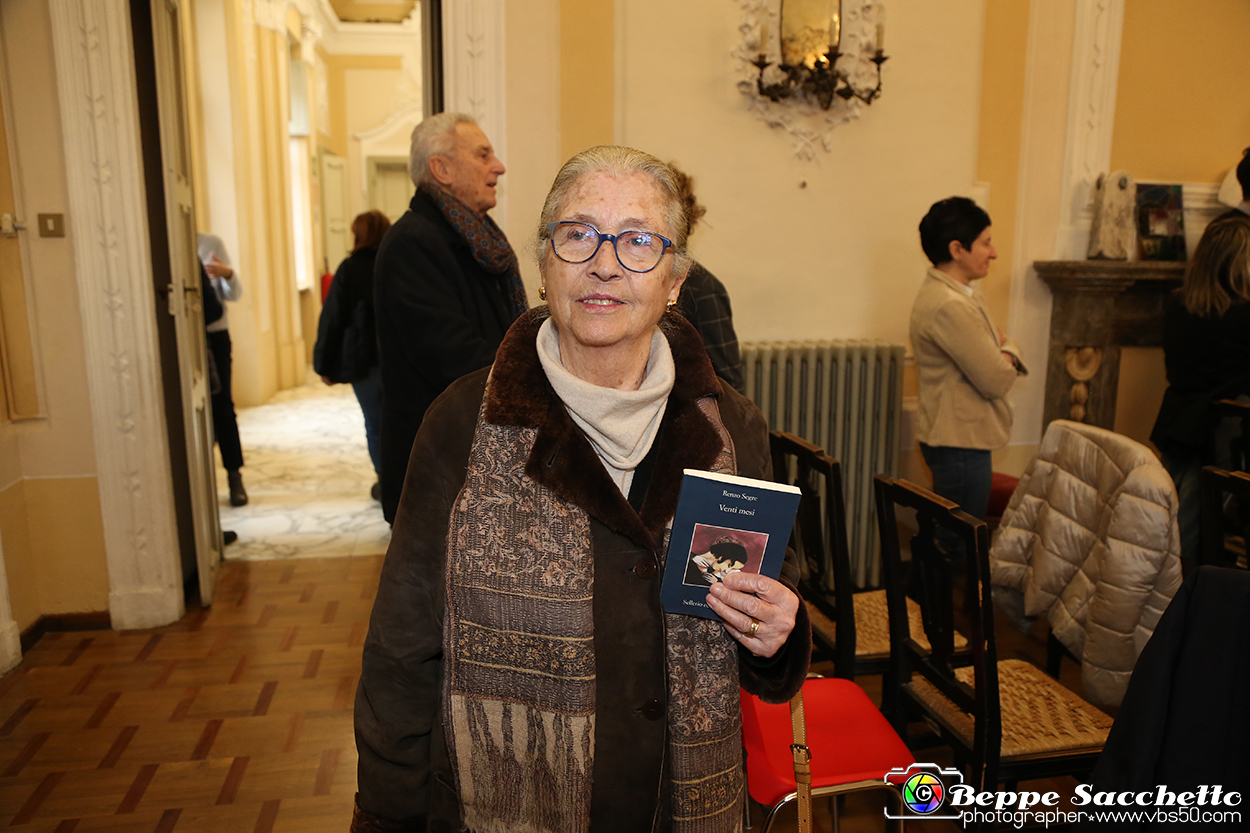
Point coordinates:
[[955, 248], [440, 170]]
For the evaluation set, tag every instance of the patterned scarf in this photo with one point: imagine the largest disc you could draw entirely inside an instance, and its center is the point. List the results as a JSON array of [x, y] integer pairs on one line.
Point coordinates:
[[486, 240], [519, 662]]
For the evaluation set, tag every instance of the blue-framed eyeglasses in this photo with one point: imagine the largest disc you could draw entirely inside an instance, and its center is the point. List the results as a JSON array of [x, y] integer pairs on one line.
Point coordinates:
[[637, 251]]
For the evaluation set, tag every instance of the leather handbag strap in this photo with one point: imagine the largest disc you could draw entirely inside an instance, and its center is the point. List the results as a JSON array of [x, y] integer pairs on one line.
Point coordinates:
[[802, 763]]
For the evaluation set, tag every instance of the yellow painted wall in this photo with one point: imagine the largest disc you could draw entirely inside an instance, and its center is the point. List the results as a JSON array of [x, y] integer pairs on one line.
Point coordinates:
[[998, 142], [1176, 121], [1181, 113], [587, 93], [50, 526], [534, 152], [825, 248]]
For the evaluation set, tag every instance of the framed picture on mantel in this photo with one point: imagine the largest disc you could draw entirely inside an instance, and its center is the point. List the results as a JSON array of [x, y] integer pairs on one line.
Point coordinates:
[[1160, 222]]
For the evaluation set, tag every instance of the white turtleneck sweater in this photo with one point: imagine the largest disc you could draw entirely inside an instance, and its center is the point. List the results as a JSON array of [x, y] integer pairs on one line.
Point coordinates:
[[620, 424]]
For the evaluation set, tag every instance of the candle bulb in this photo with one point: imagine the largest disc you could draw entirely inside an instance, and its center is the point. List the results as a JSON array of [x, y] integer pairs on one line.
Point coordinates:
[[880, 29], [835, 32], [764, 38]]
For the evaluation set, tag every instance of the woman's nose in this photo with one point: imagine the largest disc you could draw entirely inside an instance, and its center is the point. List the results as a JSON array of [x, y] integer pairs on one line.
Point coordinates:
[[605, 265]]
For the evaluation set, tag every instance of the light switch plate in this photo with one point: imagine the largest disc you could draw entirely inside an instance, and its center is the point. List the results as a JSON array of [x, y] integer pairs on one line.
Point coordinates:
[[51, 225]]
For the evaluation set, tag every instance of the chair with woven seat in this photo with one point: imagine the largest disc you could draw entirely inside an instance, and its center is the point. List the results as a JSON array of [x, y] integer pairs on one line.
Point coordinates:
[[850, 628], [852, 747], [1006, 720]]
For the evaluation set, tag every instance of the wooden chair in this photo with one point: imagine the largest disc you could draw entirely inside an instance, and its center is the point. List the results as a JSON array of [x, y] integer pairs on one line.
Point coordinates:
[[852, 746], [848, 627], [1232, 446], [1224, 527], [1005, 720]]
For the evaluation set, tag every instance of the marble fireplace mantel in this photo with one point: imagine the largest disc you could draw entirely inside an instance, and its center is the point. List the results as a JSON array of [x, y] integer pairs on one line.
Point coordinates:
[[1099, 307]]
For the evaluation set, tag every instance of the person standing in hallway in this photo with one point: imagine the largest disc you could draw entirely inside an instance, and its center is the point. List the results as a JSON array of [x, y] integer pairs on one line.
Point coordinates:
[[347, 335], [965, 366], [446, 284], [227, 287]]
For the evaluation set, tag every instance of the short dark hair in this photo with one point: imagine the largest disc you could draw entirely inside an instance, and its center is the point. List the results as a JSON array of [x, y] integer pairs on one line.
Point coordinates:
[[368, 229], [954, 218], [1243, 174]]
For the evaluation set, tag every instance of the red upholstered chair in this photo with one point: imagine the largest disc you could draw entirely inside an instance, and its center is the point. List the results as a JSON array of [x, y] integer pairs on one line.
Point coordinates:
[[852, 745]]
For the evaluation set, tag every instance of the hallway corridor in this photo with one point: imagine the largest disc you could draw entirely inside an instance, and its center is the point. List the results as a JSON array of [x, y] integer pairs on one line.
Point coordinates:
[[308, 475]]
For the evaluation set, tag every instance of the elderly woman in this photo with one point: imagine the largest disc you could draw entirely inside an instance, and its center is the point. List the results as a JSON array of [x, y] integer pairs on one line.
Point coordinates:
[[965, 366], [520, 673]]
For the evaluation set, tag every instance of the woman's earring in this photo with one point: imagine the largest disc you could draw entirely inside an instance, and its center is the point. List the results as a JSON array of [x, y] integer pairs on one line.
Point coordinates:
[[542, 292], [669, 306]]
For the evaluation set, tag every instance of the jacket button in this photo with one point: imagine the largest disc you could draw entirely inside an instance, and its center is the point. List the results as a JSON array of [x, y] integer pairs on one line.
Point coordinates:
[[652, 710], [646, 567]]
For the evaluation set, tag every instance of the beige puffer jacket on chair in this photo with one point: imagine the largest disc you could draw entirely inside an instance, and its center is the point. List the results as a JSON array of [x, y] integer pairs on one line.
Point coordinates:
[[1090, 541]]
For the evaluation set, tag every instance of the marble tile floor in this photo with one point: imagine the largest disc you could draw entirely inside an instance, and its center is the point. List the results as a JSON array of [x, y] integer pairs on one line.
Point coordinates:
[[307, 474]]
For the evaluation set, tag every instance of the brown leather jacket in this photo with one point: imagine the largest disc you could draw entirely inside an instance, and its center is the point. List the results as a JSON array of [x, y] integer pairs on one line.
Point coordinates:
[[405, 775]]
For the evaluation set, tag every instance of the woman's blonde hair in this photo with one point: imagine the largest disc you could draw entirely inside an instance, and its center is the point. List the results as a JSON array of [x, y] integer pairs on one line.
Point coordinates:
[[618, 161], [1218, 275]]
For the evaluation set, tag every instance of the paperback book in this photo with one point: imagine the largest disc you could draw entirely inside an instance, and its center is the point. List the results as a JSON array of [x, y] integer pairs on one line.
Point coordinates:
[[724, 524]]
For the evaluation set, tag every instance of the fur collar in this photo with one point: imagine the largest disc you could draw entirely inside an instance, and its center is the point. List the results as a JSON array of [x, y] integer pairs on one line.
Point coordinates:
[[564, 461]]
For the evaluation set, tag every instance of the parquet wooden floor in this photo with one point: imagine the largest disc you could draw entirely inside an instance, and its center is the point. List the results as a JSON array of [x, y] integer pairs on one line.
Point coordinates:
[[237, 718]]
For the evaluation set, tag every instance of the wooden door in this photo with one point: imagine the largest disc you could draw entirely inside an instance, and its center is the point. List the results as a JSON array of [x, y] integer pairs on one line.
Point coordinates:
[[336, 225], [185, 301]]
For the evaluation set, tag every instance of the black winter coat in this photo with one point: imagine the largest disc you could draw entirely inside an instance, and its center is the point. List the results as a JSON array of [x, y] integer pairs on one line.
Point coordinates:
[[440, 315], [347, 336], [1207, 359]]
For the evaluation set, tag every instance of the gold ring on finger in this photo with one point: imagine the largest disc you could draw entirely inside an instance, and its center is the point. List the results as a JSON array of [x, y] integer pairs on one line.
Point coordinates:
[[755, 626]]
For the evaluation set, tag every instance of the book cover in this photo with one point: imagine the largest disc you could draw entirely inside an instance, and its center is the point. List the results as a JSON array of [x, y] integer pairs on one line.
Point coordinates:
[[723, 524]]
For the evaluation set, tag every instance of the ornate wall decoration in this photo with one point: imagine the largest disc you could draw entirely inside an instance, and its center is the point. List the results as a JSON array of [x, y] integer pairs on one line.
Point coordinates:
[[1082, 364], [810, 127]]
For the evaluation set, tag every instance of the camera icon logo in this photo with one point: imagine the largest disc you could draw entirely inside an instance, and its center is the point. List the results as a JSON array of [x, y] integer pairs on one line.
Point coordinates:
[[924, 788]]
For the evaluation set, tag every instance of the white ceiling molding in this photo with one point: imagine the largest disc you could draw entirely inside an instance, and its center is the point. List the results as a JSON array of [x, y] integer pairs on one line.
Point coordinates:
[[348, 38], [473, 73], [1091, 118], [112, 257]]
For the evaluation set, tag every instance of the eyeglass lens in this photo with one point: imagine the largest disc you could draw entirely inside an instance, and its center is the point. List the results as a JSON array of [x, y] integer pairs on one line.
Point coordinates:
[[637, 250]]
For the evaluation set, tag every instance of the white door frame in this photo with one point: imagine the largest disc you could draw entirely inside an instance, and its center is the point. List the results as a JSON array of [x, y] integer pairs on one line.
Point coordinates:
[[112, 257]]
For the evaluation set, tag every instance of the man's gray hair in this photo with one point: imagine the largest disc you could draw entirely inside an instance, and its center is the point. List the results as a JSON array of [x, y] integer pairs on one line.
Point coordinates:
[[619, 161], [435, 136]]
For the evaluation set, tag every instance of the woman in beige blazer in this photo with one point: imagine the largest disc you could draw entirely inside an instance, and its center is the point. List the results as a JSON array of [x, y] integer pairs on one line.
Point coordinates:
[[964, 364]]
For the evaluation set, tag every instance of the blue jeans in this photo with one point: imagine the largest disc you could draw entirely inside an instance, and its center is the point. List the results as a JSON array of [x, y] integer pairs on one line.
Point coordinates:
[[962, 475], [369, 394]]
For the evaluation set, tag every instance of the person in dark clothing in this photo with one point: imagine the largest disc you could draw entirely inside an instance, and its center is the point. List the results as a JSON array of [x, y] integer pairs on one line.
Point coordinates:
[[446, 284], [1241, 211], [226, 287], [347, 335], [704, 301], [1206, 347]]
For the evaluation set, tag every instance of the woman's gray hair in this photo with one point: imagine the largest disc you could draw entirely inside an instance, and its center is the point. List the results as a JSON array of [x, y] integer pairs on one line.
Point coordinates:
[[618, 161], [435, 136]]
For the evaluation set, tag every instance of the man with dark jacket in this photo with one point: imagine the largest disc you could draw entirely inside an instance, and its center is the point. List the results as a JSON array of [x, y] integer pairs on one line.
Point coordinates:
[[446, 284]]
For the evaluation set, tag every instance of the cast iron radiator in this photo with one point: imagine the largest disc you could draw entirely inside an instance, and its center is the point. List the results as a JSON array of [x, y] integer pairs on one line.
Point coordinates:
[[846, 396]]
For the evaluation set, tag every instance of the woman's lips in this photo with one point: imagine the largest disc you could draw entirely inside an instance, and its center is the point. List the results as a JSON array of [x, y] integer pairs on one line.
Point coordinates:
[[599, 301]]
